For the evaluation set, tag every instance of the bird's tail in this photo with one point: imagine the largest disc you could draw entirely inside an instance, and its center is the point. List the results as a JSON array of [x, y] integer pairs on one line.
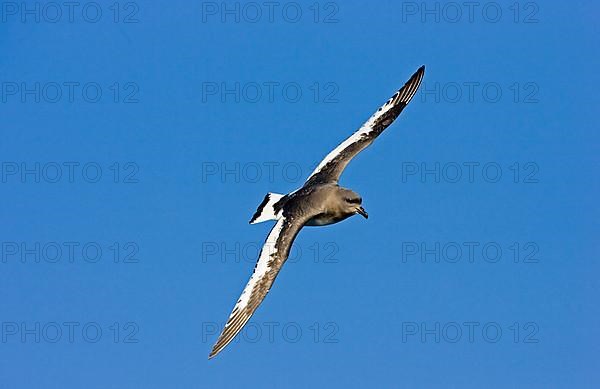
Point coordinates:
[[267, 209]]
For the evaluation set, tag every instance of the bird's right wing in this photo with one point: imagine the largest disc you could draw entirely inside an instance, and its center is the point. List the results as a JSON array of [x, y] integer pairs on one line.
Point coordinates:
[[272, 257], [330, 168]]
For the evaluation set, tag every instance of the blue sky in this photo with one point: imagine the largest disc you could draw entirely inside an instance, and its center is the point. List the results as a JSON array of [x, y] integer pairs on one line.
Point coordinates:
[[138, 138]]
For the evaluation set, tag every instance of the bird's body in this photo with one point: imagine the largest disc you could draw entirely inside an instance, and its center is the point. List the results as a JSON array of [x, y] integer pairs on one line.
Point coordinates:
[[320, 201], [322, 204]]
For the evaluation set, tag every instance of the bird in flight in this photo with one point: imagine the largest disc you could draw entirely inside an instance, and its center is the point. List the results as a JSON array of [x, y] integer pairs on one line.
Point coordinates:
[[320, 201]]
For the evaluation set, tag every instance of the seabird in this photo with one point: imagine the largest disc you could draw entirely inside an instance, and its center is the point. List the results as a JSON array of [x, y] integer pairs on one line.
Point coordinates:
[[320, 201]]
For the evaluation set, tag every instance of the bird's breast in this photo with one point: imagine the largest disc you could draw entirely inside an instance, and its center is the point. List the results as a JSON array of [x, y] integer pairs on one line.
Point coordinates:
[[324, 219]]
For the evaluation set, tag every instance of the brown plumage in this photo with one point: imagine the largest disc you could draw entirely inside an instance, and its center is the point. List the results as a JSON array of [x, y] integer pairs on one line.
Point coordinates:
[[320, 201]]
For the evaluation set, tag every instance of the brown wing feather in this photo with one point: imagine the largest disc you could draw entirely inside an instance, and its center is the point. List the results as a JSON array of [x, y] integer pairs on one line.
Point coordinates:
[[272, 257], [334, 164]]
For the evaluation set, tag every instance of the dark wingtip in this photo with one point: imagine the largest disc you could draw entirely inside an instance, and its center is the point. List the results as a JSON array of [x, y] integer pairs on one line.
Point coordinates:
[[420, 72], [213, 353]]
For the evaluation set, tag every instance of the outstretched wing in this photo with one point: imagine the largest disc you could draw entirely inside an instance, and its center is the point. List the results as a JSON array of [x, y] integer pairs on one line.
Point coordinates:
[[330, 169], [272, 257]]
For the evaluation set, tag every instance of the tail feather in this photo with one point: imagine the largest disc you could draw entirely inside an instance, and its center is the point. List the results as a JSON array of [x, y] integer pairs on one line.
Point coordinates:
[[266, 210]]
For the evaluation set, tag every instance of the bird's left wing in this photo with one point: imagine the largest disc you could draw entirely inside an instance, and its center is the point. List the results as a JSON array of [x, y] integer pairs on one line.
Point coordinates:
[[272, 257], [330, 168]]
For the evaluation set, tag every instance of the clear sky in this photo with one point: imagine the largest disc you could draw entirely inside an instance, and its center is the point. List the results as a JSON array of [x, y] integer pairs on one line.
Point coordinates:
[[138, 138]]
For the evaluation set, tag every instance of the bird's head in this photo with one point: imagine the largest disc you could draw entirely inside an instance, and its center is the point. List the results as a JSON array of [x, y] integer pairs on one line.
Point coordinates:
[[352, 203]]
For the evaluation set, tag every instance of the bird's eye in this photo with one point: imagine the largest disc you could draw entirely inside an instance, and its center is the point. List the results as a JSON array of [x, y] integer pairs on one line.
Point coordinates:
[[353, 201]]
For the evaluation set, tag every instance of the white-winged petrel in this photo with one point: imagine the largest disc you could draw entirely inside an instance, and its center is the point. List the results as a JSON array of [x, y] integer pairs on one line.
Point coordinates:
[[320, 201]]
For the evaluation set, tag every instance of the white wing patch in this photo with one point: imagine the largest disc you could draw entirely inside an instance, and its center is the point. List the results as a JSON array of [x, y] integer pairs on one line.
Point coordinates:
[[364, 130], [265, 271], [262, 265], [402, 96]]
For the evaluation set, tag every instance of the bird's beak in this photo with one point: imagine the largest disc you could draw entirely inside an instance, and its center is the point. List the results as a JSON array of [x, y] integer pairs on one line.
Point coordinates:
[[362, 212]]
